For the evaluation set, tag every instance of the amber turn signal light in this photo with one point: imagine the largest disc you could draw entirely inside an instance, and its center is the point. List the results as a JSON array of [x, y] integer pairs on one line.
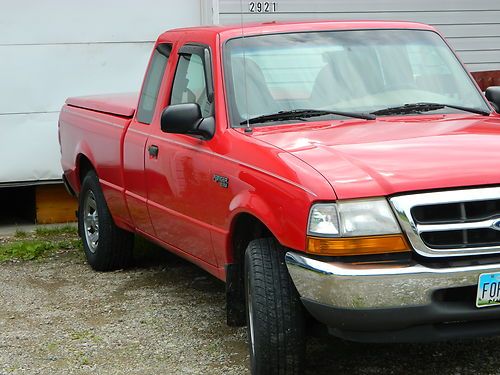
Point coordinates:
[[349, 246]]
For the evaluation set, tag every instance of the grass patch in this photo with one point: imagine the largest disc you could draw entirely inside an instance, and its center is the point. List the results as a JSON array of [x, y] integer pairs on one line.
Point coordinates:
[[34, 249], [52, 347], [85, 335], [55, 231], [43, 242], [25, 250], [20, 234]]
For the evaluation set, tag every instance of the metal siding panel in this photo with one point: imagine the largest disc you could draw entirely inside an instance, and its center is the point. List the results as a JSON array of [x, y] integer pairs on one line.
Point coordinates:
[[483, 57], [475, 44], [56, 21], [40, 78], [357, 6], [29, 147], [472, 27], [434, 18], [467, 31], [483, 67]]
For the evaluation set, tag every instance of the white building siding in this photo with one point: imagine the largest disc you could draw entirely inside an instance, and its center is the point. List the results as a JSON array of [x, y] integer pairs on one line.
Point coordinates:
[[471, 27], [53, 49]]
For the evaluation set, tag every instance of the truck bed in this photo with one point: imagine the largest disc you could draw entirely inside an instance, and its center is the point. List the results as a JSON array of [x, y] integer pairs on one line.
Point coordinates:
[[122, 104], [94, 127]]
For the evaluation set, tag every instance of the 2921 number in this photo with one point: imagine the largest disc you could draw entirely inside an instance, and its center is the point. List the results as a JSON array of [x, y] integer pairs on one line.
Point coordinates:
[[262, 6]]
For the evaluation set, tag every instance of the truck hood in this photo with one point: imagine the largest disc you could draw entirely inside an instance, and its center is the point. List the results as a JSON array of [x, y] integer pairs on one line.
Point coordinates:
[[392, 155]]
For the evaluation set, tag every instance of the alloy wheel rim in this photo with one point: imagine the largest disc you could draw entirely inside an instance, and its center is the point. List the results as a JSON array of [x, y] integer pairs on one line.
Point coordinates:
[[91, 221]]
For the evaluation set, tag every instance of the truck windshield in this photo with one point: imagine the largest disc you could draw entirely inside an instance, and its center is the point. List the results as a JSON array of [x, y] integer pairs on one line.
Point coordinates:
[[357, 72]]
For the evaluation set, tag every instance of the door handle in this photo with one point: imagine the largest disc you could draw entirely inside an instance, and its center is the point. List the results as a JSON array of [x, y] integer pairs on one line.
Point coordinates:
[[153, 151]]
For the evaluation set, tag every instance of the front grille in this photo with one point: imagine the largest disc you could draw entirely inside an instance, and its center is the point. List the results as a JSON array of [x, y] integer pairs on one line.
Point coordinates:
[[451, 223], [449, 239], [475, 213], [456, 212]]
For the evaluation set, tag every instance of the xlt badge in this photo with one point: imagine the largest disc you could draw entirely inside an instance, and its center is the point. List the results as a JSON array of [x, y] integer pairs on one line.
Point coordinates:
[[221, 180]]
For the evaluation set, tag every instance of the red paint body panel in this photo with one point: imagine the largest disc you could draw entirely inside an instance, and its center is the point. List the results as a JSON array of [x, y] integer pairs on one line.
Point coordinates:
[[98, 137], [392, 155], [179, 180], [134, 152], [123, 104], [230, 31], [275, 173]]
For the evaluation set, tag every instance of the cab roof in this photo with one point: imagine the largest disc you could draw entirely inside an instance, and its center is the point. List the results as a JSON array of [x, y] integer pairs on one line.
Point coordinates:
[[230, 31]]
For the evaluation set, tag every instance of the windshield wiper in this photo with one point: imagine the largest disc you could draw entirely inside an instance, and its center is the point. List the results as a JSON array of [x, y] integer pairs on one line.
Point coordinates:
[[299, 114], [425, 107]]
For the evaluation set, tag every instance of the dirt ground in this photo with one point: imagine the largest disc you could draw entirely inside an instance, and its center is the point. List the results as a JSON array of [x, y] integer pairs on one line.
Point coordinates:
[[166, 316]]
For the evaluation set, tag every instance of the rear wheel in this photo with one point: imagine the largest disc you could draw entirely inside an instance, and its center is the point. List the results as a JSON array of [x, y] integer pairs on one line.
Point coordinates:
[[275, 317], [106, 246]]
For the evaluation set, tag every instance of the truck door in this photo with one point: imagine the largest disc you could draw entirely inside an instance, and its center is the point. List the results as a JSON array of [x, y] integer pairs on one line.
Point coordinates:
[[178, 165], [134, 145]]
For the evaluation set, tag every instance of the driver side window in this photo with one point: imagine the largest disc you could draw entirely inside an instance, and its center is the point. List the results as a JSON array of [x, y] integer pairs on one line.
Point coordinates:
[[190, 83]]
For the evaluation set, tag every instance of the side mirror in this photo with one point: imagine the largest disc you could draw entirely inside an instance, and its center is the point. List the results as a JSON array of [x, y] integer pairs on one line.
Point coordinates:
[[493, 95], [186, 118]]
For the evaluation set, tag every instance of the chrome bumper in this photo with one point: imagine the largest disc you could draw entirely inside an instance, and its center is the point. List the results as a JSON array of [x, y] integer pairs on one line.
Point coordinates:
[[376, 285]]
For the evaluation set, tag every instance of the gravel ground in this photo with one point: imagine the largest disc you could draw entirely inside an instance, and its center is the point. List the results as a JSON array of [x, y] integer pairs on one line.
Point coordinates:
[[166, 316]]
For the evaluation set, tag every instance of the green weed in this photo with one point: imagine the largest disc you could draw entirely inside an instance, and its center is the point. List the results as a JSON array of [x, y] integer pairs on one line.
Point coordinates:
[[20, 234], [85, 335], [25, 250], [31, 249], [55, 231]]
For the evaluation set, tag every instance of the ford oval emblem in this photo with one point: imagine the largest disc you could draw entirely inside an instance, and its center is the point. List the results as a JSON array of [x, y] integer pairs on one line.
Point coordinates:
[[496, 224]]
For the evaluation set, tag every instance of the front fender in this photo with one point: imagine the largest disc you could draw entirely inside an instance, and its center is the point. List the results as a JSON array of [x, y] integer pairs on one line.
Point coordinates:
[[286, 219]]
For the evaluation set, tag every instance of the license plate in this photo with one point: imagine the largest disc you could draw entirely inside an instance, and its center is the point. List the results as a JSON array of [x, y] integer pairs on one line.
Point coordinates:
[[488, 290]]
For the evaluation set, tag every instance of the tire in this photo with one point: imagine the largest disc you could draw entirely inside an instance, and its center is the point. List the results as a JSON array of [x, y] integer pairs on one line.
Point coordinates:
[[275, 315], [106, 246]]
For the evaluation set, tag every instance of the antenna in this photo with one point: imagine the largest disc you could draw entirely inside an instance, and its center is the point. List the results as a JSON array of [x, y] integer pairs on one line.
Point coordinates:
[[248, 128]]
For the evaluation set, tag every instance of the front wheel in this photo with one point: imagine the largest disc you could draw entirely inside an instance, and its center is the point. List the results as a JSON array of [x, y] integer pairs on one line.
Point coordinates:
[[275, 317], [106, 246]]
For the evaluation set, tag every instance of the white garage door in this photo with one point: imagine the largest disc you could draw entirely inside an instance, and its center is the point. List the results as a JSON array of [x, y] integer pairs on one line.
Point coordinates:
[[53, 49]]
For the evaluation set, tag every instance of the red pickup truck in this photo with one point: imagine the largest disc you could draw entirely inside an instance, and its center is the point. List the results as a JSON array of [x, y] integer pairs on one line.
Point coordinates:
[[344, 173]]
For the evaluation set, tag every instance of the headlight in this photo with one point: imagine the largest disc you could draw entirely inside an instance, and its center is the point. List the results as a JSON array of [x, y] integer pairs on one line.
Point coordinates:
[[354, 227], [352, 218], [324, 220]]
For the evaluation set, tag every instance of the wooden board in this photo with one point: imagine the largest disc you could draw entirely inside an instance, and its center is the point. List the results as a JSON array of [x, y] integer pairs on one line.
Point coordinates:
[[54, 205], [487, 79]]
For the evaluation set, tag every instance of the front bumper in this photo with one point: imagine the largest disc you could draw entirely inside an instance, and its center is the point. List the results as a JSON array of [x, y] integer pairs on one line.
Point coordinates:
[[391, 301]]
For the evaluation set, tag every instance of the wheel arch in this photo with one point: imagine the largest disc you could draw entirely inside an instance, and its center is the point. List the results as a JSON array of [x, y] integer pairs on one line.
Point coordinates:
[[83, 161], [251, 208], [83, 166], [245, 227]]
